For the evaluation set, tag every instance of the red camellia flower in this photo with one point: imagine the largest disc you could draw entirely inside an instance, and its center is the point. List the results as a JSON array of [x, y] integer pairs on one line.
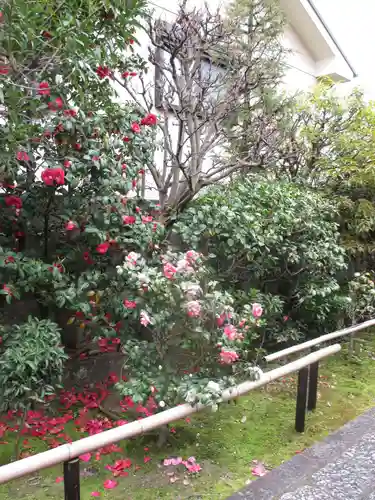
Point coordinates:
[[44, 88], [136, 128], [10, 260], [126, 139], [129, 304], [103, 247], [4, 70], [67, 163], [56, 104], [70, 112], [13, 201], [53, 176], [69, 226], [124, 166], [125, 74], [103, 71], [78, 146], [22, 156], [128, 219], [133, 73], [149, 120], [46, 34]]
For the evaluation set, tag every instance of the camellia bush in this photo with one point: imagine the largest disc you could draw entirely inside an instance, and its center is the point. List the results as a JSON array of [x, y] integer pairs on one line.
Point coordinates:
[[77, 237], [276, 242]]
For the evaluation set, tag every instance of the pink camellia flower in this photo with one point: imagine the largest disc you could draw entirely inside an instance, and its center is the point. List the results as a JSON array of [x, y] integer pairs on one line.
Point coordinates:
[[192, 256], [22, 156], [43, 88], [102, 248], [169, 270], [13, 201], [231, 332], [135, 127], [53, 176], [241, 324], [257, 310], [146, 218], [183, 266], [7, 290], [220, 320], [109, 484], [193, 309], [129, 304], [132, 258], [228, 357], [285, 318], [144, 318], [128, 219], [69, 226], [149, 120]]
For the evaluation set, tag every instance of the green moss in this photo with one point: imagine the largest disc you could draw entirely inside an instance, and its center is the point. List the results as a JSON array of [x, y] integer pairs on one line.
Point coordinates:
[[258, 427]]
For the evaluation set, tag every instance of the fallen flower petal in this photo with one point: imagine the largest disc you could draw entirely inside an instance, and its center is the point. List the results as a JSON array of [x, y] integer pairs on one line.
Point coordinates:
[[259, 470], [109, 484], [85, 457], [59, 479], [95, 493]]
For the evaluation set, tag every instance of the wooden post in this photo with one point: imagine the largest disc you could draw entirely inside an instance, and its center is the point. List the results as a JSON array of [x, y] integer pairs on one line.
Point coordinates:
[[313, 386], [71, 480], [303, 376]]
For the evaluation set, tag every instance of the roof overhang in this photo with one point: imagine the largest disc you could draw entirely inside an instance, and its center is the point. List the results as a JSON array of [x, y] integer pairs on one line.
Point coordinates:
[[318, 41]]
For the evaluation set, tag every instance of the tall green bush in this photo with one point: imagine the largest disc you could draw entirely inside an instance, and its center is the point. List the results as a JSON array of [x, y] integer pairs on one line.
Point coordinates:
[[277, 241]]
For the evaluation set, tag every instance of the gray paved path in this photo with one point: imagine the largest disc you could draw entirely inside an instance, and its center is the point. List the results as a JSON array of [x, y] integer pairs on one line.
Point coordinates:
[[342, 467]]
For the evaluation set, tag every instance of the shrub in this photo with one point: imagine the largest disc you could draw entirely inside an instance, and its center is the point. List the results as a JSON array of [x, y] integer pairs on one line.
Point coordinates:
[[274, 240], [31, 363]]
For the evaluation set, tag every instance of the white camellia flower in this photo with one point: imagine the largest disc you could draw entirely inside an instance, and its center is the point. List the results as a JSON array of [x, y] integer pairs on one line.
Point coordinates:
[[161, 404]]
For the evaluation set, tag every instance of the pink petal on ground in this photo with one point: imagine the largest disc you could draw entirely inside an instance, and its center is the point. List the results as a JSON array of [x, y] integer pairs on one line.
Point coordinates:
[[194, 468], [146, 459], [191, 460], [109, 484], [85, 457], [167, 461], [176, 461], [59, 479], [95, 493], [259, 470]]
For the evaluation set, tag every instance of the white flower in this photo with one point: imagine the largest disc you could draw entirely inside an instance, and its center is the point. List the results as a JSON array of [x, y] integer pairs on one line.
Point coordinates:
[[161, 404], [357, 275], [120, 270]]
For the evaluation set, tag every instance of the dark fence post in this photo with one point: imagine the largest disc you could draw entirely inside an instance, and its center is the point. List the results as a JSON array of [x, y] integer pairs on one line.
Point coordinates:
[[303, 376], [71, 480], [313, 386]]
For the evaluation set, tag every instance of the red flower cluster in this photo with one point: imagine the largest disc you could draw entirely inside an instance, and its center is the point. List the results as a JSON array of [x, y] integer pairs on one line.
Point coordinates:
[[149, 120], [13, 201], [109, 344], [103, 72], [44, 89], [128, 219], [56, 104], [22, 156], [53, 177]]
